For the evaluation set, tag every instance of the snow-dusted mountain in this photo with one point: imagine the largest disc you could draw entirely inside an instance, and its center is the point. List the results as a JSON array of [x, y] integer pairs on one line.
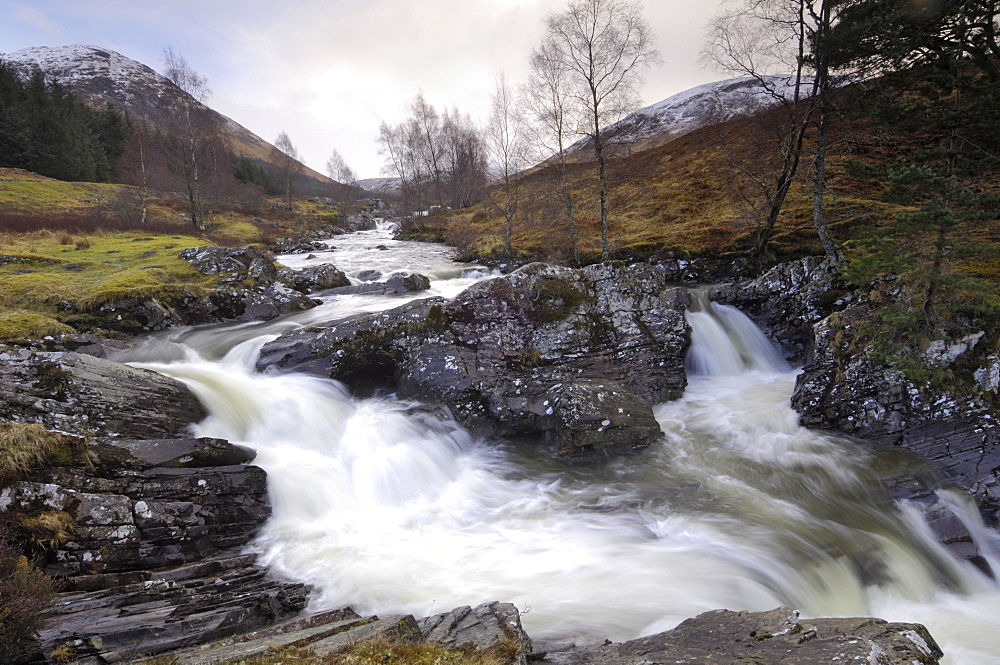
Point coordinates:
[[385, 186], [99, 75], [698, 107]]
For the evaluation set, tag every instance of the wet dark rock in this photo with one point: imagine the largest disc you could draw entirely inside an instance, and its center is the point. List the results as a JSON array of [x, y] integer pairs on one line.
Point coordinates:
[[777, 637], [406, 283], [397, 284], [369, 275], [578, 355], [86, 395], [315, 278], [846, 389]]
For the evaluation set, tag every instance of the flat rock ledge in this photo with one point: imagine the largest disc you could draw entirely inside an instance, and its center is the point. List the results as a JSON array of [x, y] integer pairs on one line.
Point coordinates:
[[778, 637], [85, 395], [575, 356]]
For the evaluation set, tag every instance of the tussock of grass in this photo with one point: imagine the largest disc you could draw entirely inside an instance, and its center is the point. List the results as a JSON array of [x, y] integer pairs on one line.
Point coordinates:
[[24, 447], [20, 326], [48, 530], [381, 651], [24, 594]]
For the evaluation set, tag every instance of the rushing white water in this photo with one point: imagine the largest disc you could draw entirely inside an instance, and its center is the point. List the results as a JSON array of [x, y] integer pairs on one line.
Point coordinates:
[[385, 509]]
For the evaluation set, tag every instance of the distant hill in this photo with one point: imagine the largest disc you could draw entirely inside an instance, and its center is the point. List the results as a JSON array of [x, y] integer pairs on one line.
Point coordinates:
[[98, 75]]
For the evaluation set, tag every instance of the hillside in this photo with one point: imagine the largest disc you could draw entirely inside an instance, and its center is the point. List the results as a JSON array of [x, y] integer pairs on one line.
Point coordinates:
[[99, 76]]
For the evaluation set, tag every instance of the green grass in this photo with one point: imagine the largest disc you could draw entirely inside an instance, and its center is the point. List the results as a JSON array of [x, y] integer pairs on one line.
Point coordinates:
[[39, 275]]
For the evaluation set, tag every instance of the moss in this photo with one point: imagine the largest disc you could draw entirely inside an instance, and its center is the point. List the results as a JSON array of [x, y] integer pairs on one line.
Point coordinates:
[[554, 299], [383, 651], [20, 326], [137, 286], [438, 318], [36, 290], [529, 359]]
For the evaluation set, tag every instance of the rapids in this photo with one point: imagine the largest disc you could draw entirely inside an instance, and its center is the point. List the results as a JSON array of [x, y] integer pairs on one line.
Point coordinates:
[[737, 507]]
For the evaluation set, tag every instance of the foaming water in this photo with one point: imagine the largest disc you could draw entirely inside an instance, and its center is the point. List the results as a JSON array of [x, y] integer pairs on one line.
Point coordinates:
[[382, 506]]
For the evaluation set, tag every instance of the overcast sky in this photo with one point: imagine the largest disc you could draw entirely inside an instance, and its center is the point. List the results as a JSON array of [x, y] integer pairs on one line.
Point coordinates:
[[328, 71]]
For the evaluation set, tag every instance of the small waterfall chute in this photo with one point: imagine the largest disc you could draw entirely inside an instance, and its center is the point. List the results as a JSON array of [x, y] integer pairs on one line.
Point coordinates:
[[726, 342]]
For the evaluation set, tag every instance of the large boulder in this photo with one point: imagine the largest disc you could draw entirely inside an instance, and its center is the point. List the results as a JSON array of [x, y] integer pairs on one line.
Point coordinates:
[[250, 286], [315, 278], [86, 395], [578, 355]]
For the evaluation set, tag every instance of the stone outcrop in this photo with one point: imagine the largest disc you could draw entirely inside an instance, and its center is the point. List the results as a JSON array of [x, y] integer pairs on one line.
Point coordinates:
[[147, 562], [578, 355], [85, 395], [845, 388], [166, 610], [787, 301], [250, 286], [777, 637]]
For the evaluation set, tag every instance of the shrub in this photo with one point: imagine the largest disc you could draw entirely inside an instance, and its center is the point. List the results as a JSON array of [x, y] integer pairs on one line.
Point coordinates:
[[24, 594]]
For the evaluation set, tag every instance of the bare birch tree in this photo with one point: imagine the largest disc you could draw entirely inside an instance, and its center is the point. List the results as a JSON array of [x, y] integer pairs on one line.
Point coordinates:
[[554, 118], [285, 156], [605, 46], [506, 146], [338, 169], [190, 131], [781, 45]]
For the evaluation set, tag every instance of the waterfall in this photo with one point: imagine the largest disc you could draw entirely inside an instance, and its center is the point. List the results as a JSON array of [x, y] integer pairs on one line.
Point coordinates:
[[380, 506], [724, 341]]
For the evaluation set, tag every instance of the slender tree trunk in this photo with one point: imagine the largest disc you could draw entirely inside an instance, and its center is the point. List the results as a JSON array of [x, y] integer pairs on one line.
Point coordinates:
[[143, 177], [568, 203], [822, 132]]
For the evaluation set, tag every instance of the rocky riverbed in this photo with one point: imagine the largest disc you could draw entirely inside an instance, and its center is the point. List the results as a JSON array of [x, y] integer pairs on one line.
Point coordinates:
[[157, 559]]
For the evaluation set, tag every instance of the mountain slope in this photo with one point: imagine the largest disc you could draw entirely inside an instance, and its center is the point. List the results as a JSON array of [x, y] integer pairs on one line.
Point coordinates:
[[99, 75]]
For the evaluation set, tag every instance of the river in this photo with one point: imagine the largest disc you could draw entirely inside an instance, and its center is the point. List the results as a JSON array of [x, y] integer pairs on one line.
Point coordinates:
[[738, 507]]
